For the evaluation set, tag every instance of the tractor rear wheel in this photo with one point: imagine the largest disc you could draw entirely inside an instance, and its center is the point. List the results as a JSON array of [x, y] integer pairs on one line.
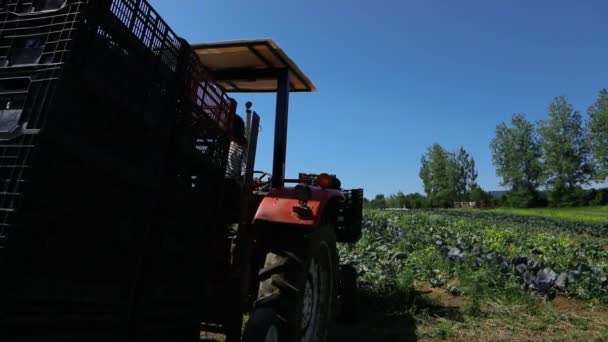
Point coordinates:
[[300, 284], [263, 326]]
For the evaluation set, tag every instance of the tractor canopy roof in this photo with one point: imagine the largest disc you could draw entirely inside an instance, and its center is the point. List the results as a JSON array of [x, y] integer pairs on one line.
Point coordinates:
[[251, 66]]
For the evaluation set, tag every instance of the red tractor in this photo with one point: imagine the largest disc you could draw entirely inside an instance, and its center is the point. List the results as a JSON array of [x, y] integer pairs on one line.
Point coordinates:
[[285, 240], [130, 209]]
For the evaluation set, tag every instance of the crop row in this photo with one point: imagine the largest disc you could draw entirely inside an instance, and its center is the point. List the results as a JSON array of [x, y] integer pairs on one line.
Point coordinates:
[[397, 243], [586, 228]]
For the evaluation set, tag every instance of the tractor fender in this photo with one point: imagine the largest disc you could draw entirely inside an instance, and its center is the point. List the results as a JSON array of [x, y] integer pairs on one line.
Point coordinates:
[[281, 206]]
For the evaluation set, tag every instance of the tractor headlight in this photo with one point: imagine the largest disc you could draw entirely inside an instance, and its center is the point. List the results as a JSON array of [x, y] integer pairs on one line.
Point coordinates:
[[324, 180]]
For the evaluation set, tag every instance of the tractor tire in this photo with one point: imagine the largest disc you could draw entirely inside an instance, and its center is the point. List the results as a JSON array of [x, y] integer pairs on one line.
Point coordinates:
[[300, 283], [349, 296], [263, 326]]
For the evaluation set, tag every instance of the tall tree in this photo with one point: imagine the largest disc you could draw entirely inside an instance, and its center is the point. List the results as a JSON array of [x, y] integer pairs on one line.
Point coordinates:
[[438, 173], [598, 135], [516, 154], [565, 150], [466, 174]]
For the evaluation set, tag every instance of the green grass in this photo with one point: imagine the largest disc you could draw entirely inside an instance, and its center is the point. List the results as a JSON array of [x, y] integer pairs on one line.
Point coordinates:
[[580, 214], [504, 322]]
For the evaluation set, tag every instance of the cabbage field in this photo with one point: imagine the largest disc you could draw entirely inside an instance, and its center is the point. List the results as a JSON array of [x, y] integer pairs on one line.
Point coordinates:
[[480, 275]]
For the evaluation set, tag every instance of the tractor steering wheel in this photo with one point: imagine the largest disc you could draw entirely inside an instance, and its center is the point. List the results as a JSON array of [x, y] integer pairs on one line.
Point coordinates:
[[261, 179]]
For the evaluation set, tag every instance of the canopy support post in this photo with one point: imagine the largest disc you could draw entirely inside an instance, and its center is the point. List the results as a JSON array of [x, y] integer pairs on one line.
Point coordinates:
[[280, 129]]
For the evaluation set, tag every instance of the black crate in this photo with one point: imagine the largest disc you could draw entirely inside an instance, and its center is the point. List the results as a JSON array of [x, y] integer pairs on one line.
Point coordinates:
[[31, 36], [205, 119], [85, 140], [117, 52], [349, 226], [203, 96], [112, 226], [13, 161], [32, 6], [28, 38]]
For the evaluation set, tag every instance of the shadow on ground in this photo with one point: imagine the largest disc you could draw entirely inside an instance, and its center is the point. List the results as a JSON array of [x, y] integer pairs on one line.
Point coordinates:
[[382, 316], [389, 316]]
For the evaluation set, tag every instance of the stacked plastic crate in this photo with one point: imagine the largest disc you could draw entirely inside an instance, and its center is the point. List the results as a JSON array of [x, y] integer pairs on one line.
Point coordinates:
[[207, 111], [88, 94], [62, 75], [191, 266]]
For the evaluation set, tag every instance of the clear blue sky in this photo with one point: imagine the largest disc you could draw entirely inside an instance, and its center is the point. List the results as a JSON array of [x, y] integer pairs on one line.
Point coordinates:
[[395, 76]]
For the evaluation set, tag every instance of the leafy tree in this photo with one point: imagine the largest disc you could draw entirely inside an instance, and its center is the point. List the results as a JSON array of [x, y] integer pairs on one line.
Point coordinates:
[[447, 176], [379, 202], [477, 194], [523, 198], [598, 134], [466, 174], [417, 201], [566, 157], [410, 201], [601, 197], [516, 154], [438, 173]]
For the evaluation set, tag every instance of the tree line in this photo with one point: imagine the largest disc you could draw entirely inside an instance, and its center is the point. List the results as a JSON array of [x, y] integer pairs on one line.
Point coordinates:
[[448, 177], [561, 155]]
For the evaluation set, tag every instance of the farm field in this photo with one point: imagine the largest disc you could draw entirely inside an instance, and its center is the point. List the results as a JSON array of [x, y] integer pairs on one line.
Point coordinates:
[[583, 214], [479, 276]]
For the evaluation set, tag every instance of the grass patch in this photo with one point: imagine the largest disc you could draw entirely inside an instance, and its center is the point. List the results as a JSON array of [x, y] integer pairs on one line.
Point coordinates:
[[579, 214], [511, 322]]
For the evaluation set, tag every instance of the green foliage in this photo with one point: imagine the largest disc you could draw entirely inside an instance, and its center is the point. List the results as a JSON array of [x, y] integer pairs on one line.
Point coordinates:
[[379, 254], [600, 198], [478, 194], [598, 134], [438, 173], [466, 174], [410, 201], [427, 264], [447, 176], [561, 153], [399, 256], [566, 198], [401, 249], [516, 154], [445, 330], [397, 200], [522, 198], [379, 202], [566, 157], [473, 306], [486, 284]]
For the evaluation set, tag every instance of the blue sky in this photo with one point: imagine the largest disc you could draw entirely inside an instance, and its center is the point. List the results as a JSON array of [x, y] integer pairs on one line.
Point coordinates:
[[395, 76]]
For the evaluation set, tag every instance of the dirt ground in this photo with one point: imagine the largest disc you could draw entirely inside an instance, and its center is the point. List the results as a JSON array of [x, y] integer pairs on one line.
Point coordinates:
[[432, 314], [560, 319]]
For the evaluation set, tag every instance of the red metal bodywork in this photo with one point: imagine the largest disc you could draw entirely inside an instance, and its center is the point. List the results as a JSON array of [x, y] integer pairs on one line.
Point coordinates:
[[281, 206]]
